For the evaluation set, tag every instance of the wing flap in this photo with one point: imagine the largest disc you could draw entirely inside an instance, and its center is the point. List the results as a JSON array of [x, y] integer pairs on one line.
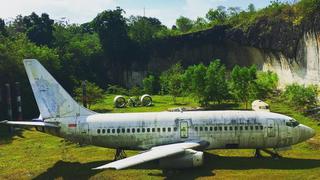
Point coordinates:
[[29, 123], [153, 154]]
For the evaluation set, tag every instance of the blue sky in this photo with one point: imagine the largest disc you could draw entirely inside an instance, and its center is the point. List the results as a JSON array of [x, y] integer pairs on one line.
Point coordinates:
[[80, 11]]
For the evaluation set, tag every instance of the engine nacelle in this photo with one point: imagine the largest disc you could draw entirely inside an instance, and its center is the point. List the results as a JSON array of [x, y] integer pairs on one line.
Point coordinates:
[[190, 158], [119, 102], [146, 100]]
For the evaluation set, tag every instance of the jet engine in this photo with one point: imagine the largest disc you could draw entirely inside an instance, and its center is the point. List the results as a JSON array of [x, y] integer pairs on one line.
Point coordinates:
[[119, 101], [190, 158], [146, 100]]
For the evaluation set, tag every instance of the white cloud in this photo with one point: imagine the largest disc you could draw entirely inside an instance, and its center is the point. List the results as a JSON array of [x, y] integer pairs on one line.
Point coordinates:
[[78, 11]]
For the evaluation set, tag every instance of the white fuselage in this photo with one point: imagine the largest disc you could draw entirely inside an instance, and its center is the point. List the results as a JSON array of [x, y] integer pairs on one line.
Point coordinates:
[[220, 129]]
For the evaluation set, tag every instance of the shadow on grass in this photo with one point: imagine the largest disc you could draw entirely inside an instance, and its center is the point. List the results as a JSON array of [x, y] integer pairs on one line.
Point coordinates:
[[102, 110], [71, 170], [214, 162], [7, 134], [76, 170]]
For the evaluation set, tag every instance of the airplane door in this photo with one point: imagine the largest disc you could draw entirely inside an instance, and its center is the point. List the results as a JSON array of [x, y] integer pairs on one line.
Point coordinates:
[[184, 129], [83, 132], [84, 128], [271, 128]]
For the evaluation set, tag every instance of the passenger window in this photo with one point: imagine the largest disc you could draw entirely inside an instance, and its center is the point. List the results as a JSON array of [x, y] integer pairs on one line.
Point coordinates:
[[241, 128], [246, 128], [236, 128], [169, 129], [201, 128], [220, 128], [103, 131], [251, 127], [123, 130], [108, 131], [148, 129], [211, 128], [153, 129], [215, 128], [225, 128], [113, 131], [128, 130], [163, 129], [206, 128], [175, 129], [118, 130], [143, 130], [98, 131], [138, 130], [133, 130], [158, 129], [230, 128], [257, 127], [261, 127], [196, 128]]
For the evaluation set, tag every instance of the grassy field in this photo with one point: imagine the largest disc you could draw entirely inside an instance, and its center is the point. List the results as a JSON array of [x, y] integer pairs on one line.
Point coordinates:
[[30, 154]]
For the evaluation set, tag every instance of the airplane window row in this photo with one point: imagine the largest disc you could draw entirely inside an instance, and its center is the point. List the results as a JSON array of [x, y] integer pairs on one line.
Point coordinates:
[[226, 128], [135, 130]]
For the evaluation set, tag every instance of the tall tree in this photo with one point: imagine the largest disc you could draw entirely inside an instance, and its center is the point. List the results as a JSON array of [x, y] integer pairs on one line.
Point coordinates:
[[2, 27], [217, 16], [251, 8], [143, 29], [39, 29], [112, 29], [184, 24], [243, 83], [194, 80], [216, 84], [171, 81]]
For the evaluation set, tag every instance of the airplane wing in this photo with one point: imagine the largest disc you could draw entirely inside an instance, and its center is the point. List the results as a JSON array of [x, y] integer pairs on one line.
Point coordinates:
[[29, 123], [152, 154]]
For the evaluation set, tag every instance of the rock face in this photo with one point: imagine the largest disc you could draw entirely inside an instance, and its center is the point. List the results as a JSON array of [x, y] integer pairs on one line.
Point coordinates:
[[292, 51], [304, 68]]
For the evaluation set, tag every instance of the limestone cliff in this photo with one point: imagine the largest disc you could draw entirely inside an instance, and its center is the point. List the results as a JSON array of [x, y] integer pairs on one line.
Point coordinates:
[[291, 50]]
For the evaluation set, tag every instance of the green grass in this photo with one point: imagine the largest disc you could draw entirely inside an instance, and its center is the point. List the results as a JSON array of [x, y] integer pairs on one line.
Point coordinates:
[[30, 154]]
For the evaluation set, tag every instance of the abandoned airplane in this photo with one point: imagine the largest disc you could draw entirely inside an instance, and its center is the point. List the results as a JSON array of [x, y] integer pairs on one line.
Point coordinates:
[[176, 139]]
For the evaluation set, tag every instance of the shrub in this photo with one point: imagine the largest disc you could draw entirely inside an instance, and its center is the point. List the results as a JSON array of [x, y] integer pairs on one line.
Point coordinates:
[[300, 96]]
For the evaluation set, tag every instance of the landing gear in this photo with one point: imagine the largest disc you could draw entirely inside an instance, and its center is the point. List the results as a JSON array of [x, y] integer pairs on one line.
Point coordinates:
[[257, 153], [120, 154], [274, 154]]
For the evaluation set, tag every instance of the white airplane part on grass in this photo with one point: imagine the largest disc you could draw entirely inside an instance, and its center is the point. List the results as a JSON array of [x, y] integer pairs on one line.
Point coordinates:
[[176, 139]]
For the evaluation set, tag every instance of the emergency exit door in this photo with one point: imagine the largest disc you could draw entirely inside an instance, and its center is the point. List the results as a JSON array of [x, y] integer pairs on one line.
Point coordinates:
[[271, 128], [184, 129]]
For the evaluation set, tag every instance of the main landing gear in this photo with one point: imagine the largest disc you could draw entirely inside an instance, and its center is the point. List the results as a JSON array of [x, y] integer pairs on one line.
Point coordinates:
[[273, 154], [120, 154]]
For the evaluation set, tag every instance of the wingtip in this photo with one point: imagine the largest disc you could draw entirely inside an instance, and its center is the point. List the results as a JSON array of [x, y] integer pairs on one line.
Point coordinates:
[[101, 168], [3, 122]]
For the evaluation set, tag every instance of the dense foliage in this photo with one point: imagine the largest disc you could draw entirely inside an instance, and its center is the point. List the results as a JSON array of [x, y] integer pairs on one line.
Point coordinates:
[[210, 84], [300, 96], [104, 49], [94, 93]]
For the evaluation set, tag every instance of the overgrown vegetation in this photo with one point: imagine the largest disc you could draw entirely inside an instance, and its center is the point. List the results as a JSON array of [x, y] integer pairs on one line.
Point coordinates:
[[102, 50], [300, 96], [210, 84]]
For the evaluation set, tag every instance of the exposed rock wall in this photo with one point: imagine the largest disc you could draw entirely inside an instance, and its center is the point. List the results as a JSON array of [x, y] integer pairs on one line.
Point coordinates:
[[300, 63]]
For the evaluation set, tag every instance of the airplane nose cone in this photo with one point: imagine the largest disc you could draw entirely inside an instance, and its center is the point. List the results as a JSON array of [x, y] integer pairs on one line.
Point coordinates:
[[306, 132]]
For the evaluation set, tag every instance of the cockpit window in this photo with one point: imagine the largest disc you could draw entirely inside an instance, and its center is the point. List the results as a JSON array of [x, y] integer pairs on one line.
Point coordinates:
[[292, 123]]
